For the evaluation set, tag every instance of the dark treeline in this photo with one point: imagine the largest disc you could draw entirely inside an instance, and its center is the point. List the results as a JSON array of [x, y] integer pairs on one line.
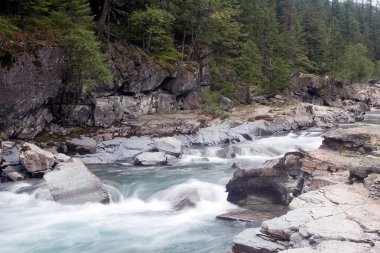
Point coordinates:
[[261, 42]]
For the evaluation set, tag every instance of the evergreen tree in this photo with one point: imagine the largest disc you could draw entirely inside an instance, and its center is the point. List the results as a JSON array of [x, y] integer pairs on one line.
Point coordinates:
[[356, 65], [73, 22]]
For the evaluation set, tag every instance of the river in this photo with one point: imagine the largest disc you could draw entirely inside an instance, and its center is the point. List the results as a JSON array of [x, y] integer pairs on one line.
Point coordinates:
[[141, 217]]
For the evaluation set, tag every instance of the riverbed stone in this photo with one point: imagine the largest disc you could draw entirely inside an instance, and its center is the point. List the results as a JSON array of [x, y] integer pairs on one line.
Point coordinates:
[[151, 159], [83, 145], [251, 241], [35, 159], [334, 246], [169, 145], [11, 154], [13, 172], [73, 183]]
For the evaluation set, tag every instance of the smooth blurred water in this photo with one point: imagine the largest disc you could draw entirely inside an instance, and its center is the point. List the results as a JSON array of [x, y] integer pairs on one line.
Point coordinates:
[[142, 217]]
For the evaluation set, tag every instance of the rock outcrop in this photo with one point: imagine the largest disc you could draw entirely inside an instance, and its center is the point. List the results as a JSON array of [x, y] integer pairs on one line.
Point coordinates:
[[34, 93], [323, 90], [280, 180], [362, 140], [320, 221], [27, 84], [332, 194]]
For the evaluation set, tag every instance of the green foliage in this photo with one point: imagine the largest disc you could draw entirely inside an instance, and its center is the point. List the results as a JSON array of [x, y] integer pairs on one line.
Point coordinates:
[[71, 20], [7, 24], [356, 66], [211, 104], [249, 64], [87, 64], [152, 28]]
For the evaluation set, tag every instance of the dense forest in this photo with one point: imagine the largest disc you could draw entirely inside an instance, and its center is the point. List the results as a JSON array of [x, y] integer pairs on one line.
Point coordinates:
[[260, 42]]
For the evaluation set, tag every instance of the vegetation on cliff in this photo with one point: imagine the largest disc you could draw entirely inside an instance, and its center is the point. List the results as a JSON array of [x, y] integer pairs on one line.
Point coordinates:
[[260, 42]]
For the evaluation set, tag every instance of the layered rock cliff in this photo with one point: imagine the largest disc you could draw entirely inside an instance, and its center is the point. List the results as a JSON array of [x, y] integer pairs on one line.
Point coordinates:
[[34, 91]]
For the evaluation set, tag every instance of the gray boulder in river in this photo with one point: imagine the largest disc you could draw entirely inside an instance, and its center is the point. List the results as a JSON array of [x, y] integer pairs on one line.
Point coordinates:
[[151, 159], [72, 182], [169, 145]]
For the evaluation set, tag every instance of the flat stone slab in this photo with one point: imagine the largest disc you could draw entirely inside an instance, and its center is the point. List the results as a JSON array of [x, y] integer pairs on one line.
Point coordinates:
[[318, 220], [251, 241], [334, 247], [72, 183]]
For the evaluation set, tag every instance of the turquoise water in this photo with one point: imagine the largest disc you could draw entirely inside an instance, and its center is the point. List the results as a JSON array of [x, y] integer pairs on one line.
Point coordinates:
[[142, 217]]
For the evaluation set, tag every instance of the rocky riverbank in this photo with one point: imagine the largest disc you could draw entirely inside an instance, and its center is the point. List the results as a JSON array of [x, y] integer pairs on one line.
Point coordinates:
[[333, 195]]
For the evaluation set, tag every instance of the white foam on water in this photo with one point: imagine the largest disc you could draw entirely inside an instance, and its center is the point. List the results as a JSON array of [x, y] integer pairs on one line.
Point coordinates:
[[32, 222]]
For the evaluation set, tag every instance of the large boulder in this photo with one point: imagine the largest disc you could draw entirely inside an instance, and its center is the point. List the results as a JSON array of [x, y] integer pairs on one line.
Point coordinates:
[[278, 182], [151, 159], [311, 88], [72, 183], [169, 145], [35, 159], [82, 146], [27, 82]]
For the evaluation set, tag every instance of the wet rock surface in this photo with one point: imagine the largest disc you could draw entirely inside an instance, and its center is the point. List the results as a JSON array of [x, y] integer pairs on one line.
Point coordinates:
[[151, 159], [279, 181], [329, 214], [71, 182]]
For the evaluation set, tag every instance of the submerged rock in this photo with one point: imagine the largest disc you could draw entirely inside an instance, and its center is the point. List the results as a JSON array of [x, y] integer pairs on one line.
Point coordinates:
[[35, 159], [151, 159], [72, 183]]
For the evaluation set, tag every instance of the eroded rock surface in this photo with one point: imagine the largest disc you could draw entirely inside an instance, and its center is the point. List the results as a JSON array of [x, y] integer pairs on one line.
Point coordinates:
[[35, 159], [319, 218]]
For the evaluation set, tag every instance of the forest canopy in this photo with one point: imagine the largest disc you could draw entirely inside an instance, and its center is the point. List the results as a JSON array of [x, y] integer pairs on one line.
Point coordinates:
[[260, 41]]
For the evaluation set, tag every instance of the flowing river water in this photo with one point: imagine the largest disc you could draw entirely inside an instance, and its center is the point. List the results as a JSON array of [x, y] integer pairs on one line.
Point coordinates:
[[141, 217]]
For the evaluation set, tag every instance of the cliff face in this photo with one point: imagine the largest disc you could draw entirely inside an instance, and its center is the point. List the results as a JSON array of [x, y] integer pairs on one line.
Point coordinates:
[[34, 94], [26, 87]]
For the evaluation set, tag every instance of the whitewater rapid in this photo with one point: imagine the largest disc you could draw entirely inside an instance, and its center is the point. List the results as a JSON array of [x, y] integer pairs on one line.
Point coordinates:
[[142, 216]]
